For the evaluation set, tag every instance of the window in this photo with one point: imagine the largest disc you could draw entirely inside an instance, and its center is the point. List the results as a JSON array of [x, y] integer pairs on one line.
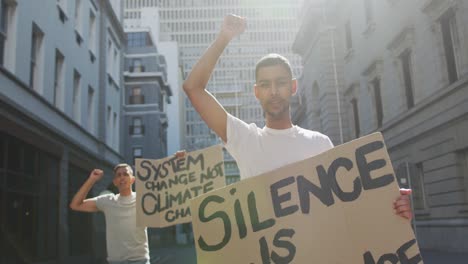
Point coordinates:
[[349, 39], [372, 75], [76, 102], [36, 59], [137, 66], [417, 185], [62, 10], [78, 15], [90, 109], [354, 105], [92, 32], [352, 110], [138, 39], [3, 29], [377, 101], [115, 131], [405, 60], [368, 10], [401, 48], [109, 56], [451, 44], [116, 64], [136, 97], [137, 128], [59, 80], [7, 31], [29, 202], [137, 153], [109, 126]]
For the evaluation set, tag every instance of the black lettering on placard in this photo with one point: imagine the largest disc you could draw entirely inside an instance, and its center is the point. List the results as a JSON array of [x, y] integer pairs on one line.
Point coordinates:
[[208, 187], [278, 199], [172, 215], [191, 161], [277, 242], [211, 173], [306, 187], [400, 256], [288, 245], [218, 214], [146, 165], [240, 220], [257, 225], [174, 165], [401, 252], [145, 210], [366, 167], [332, 172]]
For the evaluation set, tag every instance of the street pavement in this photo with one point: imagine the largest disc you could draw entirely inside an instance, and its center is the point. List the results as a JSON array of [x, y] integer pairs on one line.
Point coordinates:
[[187, 255]]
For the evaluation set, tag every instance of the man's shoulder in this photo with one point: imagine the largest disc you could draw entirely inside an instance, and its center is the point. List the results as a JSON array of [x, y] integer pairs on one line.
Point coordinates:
[[106, 198], [312, 133], [235, 122]]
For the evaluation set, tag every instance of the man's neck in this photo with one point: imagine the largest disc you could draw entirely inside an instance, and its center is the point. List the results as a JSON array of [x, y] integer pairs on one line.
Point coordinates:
[[284, 123], [126, 192]]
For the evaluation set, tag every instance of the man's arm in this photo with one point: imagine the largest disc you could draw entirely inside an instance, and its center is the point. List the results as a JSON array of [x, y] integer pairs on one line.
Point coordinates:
[[210, 110], [79, 201]]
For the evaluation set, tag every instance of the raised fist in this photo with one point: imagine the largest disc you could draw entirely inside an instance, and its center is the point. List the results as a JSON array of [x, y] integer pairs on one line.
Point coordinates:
[[96, 174], [233, 26]]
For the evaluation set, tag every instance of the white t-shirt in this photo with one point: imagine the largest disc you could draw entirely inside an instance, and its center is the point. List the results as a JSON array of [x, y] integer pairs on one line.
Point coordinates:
[[125, 241], [259, 150]]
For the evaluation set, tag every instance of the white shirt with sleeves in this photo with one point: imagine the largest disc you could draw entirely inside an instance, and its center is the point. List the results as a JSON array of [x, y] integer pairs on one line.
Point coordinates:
[[259, 150], [125, 241]]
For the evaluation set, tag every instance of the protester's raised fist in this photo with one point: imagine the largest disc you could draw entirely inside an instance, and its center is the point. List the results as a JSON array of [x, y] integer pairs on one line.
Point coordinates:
[[180, 154], [233, 26], [96, 174]]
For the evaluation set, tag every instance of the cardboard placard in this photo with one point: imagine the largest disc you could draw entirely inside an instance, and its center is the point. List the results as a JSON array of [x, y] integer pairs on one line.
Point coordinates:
[[336, 207], [164, 187]]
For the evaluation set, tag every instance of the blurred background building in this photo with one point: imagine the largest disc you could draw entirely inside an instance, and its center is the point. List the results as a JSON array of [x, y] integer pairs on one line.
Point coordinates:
[[401, 68], [147, 94], [60, 112]]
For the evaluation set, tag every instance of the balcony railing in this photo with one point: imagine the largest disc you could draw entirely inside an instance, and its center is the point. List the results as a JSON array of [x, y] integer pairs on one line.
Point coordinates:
[[136, 69], [136, 130], [137, 99]]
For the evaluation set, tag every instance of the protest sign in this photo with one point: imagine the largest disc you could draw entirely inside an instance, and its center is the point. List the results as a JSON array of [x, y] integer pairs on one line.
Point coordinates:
[[336, 207], [164, 187]]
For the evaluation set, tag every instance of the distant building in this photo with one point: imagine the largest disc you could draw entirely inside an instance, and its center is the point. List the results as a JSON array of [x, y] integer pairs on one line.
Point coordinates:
[[60, 104], [145, 14], [402, 69], [147, 94]]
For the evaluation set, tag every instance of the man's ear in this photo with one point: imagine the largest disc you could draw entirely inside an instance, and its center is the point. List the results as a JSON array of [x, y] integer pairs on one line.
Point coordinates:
[[256, 91], [133, 179], [294, 86]]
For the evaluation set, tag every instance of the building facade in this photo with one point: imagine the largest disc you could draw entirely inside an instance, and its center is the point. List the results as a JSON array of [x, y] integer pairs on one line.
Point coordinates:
[[147, 94], [402, 69], [60, 103], [145, 15]]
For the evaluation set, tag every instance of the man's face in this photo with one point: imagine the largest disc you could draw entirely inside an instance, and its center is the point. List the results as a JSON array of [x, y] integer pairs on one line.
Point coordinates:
[[274, 89], [123, 179]]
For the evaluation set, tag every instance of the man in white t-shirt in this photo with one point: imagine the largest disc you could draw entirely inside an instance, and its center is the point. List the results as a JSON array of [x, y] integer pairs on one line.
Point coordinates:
[[126, 243], [259, 150]]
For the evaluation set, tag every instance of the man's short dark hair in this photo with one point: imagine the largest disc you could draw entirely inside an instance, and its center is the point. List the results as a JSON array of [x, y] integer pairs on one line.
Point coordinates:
[[123, 165], [273, 59]]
